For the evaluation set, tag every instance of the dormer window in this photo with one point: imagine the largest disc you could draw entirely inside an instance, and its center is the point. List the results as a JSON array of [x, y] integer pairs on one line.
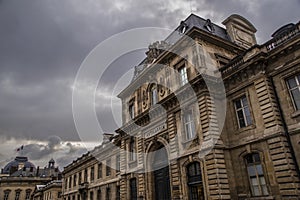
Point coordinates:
[[183, 27], [209, 26]]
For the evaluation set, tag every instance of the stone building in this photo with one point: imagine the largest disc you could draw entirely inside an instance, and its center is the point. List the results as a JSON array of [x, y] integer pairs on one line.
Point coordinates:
[[51, 191], [19, 178], [95, 175], [209, 114]]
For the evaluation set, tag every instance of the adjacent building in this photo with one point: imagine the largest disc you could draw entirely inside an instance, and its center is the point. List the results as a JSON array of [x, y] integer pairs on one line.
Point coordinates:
[[19, 178], [173, 143]]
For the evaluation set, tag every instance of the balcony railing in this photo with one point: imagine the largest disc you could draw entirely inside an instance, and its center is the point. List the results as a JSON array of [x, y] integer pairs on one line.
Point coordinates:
[[277, 41]]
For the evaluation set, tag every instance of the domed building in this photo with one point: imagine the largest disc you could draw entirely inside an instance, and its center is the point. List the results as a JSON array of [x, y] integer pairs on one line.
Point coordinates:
[[19, 178], [19, 163]]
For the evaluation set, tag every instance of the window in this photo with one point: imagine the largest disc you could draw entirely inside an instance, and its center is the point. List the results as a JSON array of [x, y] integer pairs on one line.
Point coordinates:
[[85, 175], [256, 175], [66, 183], [91, 195], [99, 194], [118, 193], [131, 110], [27, 196], [70, 181], [92, 173], [183, 75], [74, 180], [99, 170], [154, 97], [108, 193], [59, 194], [133, 189], [108, 170], [78, 196], [18, 192], [79, 177], [243, 112], [118, 162], [132, 154], [294, 89], [194, 181], [6, 194], [189, 125]]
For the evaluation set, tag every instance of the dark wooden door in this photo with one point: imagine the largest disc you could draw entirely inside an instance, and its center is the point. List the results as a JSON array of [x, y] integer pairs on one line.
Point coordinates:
[[162, 184]]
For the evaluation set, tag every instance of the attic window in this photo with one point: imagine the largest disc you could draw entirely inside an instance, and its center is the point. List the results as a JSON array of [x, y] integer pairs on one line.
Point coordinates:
[[209, 26], [183, 27]]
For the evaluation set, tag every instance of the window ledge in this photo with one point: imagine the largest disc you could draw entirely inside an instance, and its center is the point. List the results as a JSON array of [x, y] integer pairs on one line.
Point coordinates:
[[247, 128], [296, 114]]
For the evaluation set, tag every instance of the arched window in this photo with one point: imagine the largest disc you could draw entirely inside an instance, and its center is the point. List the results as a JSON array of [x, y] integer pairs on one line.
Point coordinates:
[[194, 181], [256, 175], [154, 97], [6, 194]]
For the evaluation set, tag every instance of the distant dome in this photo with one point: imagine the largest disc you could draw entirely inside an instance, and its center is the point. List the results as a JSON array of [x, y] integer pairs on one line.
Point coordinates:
[[19, 162]]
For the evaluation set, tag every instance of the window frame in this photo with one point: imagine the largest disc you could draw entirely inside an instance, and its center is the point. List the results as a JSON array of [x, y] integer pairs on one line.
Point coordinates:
[[183, 77], [131, 109], [296, 78], [100, 171], [254, 165], [242, 109], [118, 163], [132, 150], [191, 132], [133, 189], [108, 168], [18, 194], [6, 194]]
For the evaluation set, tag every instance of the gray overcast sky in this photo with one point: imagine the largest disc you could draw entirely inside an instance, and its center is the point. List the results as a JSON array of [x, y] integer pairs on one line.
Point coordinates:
[[43, 42]]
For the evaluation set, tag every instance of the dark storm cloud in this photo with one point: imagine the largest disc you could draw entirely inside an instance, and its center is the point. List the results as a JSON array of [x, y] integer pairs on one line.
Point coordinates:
[[42, 44]]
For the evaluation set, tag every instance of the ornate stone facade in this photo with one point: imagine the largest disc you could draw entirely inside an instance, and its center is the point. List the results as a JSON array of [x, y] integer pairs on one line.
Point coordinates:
[[172, 144]]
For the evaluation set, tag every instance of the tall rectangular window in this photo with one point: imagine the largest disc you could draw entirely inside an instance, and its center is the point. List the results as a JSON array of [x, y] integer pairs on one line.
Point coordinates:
[[70, 181], [74, 180], [85, 175], [243, 112], [107, 193], [132, 150], [133, 189], [79, 177], [27, 196], [92, 173], [256, 175], [99, 194], [294, 89], [91, 195], [118, 162], [66, 183], [118, 193], [6, 194], [189, 125], [99, 170], [183, 75], [108, 169], [17, 197], [131, 110]]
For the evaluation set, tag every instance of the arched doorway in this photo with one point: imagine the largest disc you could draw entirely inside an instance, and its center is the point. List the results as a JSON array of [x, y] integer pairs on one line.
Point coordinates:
[[161, 177]]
